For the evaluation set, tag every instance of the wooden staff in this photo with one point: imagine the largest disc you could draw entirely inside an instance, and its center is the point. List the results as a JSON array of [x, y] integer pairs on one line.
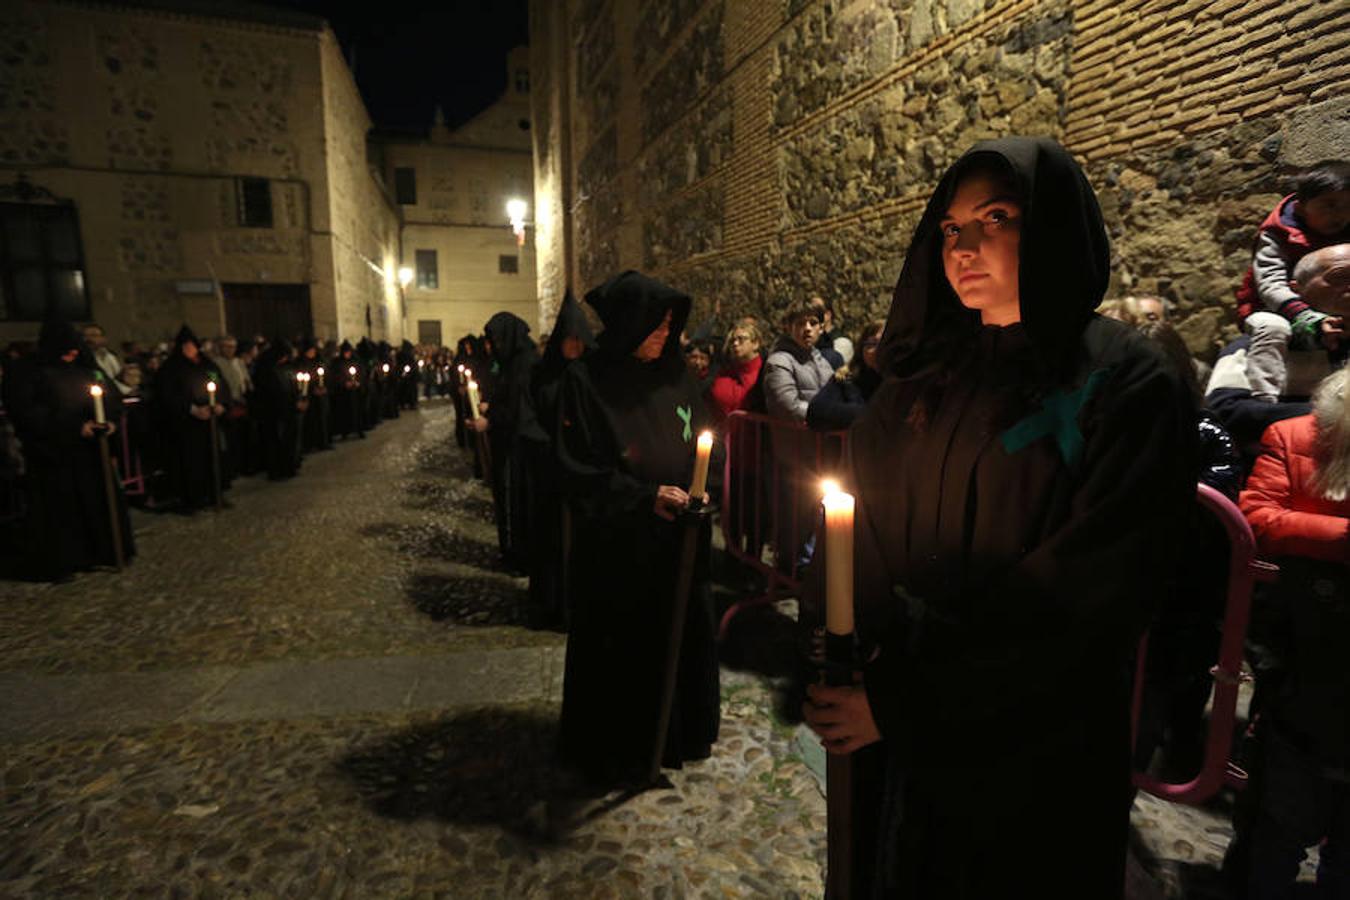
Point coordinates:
[[691, 522], [110, 492], [215, 443]]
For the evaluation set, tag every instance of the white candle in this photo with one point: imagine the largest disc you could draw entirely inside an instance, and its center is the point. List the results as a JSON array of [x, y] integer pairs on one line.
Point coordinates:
[[97, 393], [211, 394], [699, 486], [407, 369], [351, 370], [473, 399], [303, 378], [385, 368], [838, 560], [320, 376], [462, 377]]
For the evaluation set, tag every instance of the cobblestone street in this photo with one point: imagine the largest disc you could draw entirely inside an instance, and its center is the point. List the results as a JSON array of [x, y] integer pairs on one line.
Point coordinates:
[[328, 691]]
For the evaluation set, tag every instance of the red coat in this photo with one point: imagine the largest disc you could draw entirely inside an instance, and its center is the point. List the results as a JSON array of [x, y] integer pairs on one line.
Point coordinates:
[[731, 385], [1287, 519]]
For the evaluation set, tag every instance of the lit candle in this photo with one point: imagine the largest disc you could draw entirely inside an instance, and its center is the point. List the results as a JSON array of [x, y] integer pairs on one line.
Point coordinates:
[[320, 376], [385, 368], [699, 486], [303, 378], [211, 394], [462, 377], [97, 393], [838, 559], [473, 399], [407, 369], [351, 370]]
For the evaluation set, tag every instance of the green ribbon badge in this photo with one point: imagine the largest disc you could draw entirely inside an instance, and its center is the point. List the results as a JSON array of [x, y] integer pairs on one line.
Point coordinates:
[[686, 413], [1058, 418]]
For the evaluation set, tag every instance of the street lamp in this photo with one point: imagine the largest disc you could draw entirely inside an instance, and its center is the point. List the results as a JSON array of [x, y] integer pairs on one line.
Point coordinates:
[[516, 210], [405, 276]]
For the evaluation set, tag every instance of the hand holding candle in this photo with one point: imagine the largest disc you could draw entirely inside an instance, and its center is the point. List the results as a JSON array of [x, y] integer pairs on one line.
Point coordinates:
[[699, 485], [211, 396], [473, 399], [839, 508], [96, 392]]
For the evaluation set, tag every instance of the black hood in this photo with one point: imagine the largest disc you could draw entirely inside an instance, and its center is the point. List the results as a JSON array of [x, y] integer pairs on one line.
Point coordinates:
[[1064, 262], [571, 322], [631, 306], [365, 349], [184, 335], [57, 338], [345, 347], [510, 336]]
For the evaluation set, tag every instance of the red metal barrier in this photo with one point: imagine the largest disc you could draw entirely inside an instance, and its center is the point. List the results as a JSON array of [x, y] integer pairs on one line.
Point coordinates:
[[128, 461], [771, 497], [1244, 570]]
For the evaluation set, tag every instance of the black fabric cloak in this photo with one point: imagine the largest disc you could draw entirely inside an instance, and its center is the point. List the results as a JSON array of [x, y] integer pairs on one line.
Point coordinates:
[[625, 428], [279, 417], [552, 536], [1018, 489], [408, 376], [344, 392], [370, 386], [316, 425], [180, 384], [511, 419], [68, 525]]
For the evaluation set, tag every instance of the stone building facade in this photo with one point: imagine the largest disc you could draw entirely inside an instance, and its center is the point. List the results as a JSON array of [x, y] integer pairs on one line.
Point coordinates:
[[215, 163], [452, 188], [753, 151]]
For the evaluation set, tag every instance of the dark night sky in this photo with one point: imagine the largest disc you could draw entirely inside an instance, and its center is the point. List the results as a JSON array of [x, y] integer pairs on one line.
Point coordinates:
[[412, 56]]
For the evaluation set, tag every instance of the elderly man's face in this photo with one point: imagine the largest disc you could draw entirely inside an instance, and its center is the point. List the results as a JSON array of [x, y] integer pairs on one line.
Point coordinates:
[[1328, 289], [1152, 309], [228, 349], [94, 337]]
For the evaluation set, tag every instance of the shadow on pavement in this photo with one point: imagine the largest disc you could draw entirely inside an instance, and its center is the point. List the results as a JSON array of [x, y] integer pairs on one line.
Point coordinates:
[[435, 542], [444, 497], [487, 767], [763, 640], [469, 600]]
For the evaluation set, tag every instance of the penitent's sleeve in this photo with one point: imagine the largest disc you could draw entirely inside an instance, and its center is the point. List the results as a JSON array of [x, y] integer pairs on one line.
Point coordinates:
[[588, 456]]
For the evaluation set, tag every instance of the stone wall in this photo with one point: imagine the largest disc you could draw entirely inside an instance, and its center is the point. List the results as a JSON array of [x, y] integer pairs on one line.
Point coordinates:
[[758, 150], [146, 119]]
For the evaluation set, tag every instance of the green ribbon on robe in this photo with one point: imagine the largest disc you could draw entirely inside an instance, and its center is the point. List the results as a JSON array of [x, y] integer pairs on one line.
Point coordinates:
[[686, 414], [1057, 418]]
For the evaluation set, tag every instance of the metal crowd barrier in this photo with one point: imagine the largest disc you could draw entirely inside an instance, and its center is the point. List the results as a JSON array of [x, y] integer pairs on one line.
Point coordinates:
[[771, 498], [128, 461], [1244, 570]]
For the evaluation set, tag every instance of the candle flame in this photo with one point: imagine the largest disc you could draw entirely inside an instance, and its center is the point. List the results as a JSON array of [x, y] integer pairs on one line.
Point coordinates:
[[830, 486], [474, 385], [95, 391], [352, 370], [320, 370], [211, 386], [705, 438]]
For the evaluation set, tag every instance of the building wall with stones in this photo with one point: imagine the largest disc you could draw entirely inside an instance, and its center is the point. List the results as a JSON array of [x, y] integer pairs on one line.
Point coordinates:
[[146, 119], [754, 151], [463, 179]]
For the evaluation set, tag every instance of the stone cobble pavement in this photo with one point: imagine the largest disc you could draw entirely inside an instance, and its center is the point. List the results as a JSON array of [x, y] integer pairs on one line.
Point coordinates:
[[329, 690]]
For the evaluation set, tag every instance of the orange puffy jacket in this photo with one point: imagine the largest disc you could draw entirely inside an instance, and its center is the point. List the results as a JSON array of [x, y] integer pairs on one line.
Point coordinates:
[[1285, 515]]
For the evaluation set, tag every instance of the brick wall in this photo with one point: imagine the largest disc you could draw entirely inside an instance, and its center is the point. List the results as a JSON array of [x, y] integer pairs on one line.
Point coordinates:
[[751, 151]]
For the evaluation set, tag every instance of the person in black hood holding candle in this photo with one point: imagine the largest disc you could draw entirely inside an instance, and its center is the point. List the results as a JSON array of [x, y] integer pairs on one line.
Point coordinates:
[[628, 417], [344, 392], [53, 411], [510, 418], [570, 340], [184, 408], [1021, 475]]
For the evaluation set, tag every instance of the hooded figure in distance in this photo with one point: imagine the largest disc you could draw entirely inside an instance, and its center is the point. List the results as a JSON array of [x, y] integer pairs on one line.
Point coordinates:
[[1020, 475], [628, 416], [570, 340], [184, 410], [510, 418]]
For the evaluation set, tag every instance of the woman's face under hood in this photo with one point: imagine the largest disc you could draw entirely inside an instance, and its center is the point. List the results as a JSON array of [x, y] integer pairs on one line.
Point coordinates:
[[981, 236]]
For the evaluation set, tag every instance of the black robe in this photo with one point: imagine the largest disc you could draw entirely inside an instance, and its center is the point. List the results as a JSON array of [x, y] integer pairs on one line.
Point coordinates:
[[344, 393], [68, 527], [511, 421], [180, 385], [279, 418], [315, 432], [625, 428], [552, 535], [1018, 491]]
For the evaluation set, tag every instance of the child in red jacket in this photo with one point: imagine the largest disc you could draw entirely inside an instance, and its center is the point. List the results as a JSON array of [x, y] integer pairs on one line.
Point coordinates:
[[1316, 215]]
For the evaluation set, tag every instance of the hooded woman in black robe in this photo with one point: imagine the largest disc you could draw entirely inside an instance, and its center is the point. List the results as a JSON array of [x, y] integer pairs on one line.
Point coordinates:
[[344, 392], [280, 410], [370, 384], [510, 418], [68, 522], [569, 341], [315, 424], [1020, 476], [627, 420], [182, 404], [408, 375]]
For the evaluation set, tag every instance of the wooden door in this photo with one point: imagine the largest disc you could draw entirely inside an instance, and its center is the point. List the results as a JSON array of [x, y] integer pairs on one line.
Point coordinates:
[[270, 310]]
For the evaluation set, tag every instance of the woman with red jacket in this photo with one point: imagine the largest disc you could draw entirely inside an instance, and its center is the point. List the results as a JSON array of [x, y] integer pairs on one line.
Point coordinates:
[[741, 371], [1298, 503]]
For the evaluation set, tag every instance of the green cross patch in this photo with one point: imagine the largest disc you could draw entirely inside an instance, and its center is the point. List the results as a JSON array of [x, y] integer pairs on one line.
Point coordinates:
[[1057, 418], [686, 414]]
